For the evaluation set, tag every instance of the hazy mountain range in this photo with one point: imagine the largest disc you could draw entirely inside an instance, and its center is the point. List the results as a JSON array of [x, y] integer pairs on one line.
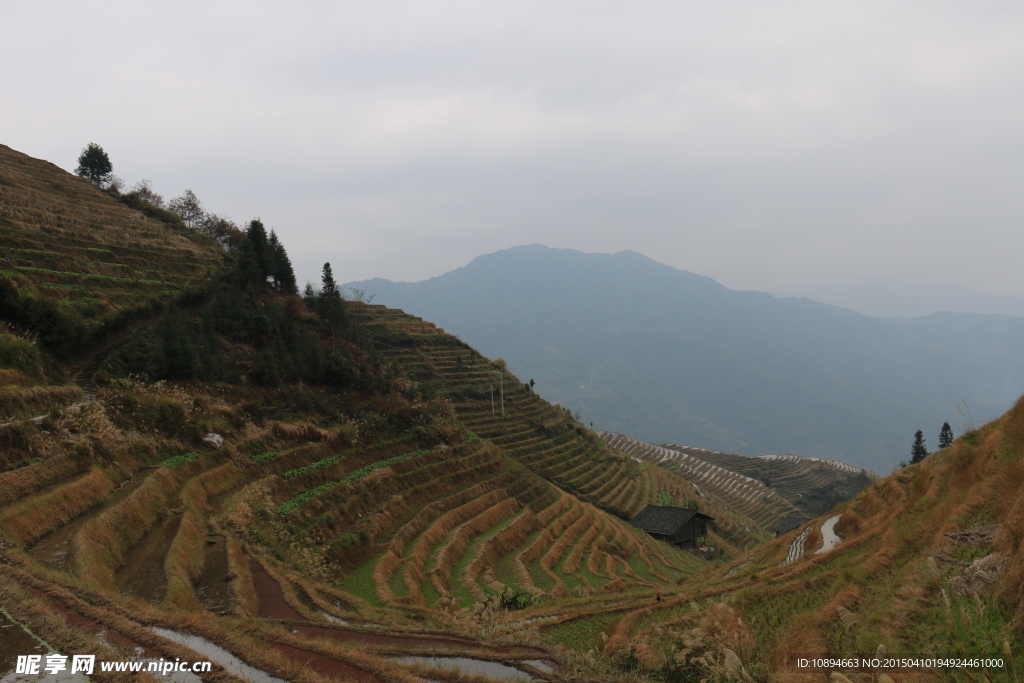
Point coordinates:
[[665, 355], [906, 300]]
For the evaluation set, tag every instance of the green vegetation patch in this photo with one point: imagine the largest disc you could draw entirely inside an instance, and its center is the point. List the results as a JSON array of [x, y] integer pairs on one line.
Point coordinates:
[[288, 506], [366, 469], [182, 459], [330, 460], [359, 582], [581, 634], [263, 457]]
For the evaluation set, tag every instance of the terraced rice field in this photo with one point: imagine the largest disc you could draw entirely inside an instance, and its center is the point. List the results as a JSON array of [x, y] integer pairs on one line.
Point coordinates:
[[64, 239], [739, 492], [790, 475], [493, 404]]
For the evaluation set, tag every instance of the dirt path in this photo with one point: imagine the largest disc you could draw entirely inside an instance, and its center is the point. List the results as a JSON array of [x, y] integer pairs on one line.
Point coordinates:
[[829, 539], [84, 377]]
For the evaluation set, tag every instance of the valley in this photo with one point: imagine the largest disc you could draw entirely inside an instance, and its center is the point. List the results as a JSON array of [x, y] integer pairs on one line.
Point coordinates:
[[199, 463]]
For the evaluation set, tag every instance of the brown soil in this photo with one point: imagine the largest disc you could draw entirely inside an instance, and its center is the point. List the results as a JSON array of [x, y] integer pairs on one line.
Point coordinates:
[[14, 641], [325, 665], [142, 574], [272, 603]]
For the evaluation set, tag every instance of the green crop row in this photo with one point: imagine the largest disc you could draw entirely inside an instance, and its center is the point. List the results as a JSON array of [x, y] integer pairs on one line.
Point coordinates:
[[182, 459], [269, 455], [56, 285], [330, 460], [289, 505], [92, 275], [363, 471]]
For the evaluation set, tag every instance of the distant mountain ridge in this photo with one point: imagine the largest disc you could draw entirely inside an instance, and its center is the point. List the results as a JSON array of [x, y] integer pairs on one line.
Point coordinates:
[[906, 300], [666, 355]]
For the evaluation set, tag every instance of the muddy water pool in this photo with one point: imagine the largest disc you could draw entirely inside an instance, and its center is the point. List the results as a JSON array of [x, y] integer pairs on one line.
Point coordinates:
[[142, 574], [16, 640], [217, 654], [214, 587]]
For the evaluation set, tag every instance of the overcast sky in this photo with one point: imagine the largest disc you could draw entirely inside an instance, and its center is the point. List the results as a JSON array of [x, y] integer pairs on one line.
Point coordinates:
[[770, 145]]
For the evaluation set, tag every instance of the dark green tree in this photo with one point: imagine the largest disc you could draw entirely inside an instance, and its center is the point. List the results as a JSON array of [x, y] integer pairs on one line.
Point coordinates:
[[281, 267], [330, 304], [94, 164], [945, 436], [918, 451]]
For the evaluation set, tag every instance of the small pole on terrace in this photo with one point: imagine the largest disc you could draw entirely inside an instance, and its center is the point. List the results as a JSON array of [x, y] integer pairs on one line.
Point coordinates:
[[492, 400], [502, 380]]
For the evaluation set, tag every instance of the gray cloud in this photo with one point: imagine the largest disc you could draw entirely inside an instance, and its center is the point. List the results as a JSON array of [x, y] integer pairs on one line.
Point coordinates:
[[769, 145]]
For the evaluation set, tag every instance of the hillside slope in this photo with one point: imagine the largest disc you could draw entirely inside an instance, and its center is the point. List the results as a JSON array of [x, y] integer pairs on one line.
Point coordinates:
[[668, 356], [71, 254], [250, 456], [77, 266], [928, 563]]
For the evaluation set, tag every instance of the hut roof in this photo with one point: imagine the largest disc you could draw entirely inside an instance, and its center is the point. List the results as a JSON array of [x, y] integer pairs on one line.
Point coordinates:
[[787, 524], [662, 519]]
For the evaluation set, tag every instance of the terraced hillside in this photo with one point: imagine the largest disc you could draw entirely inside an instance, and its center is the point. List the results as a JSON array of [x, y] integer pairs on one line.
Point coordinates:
[[67, 247], [744, 494], [812, 484], [495, 405], [387, 514], [293, 492], [926, 563]]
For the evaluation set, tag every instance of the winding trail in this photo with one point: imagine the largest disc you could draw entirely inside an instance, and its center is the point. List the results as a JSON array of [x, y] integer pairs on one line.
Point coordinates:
[[83, 378], [829, 539]]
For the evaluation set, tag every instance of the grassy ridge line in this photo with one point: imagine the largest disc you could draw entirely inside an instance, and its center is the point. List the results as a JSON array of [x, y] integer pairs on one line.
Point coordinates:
[[33, 478], [288, 506], [64, 273], [21, 401], [29, 520]]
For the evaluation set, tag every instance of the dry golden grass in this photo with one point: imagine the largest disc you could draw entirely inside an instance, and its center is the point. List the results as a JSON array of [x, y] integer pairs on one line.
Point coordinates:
[[184, 563], [415, 572], [24, 401], [49, 621], [33, 518], [243, 590], [100, 545], [25, 481], [459, 539], [215, 482], [492, 549], [13, 378]]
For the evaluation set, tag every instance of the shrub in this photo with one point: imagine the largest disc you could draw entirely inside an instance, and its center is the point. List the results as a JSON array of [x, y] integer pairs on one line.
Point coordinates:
[[18, 354]]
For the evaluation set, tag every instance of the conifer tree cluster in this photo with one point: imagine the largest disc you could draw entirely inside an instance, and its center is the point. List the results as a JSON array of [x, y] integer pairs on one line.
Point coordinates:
[[263, 261], [289, 347], [918, 451]]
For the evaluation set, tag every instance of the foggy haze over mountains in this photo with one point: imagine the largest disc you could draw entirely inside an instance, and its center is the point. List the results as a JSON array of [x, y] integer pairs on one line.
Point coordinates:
[[666, 355], [907, 300]]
